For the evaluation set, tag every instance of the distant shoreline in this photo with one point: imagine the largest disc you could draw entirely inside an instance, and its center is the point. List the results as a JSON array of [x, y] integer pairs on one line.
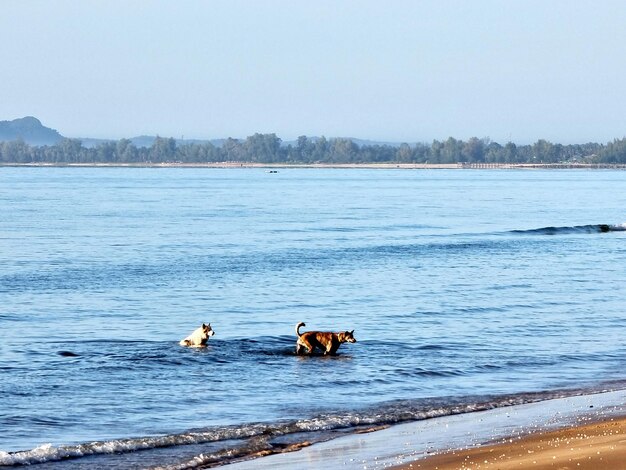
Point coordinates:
[[405, 166]]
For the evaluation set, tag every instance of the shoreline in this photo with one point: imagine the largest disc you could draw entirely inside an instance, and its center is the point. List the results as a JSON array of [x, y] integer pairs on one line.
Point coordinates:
[[421, 444], [400, 166]]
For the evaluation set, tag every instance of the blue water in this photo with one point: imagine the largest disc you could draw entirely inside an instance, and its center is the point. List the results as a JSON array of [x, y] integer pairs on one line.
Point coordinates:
[[466, 289]]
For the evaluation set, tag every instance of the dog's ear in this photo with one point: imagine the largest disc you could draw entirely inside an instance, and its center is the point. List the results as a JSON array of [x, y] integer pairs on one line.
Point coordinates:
[[351, 332], [204, 326]]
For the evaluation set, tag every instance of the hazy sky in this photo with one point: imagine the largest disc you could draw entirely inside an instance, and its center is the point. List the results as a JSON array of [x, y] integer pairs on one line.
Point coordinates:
[[390, 70]]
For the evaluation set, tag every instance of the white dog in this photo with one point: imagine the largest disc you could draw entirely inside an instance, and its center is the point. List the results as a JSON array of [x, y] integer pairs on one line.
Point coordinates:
[[199, 338]]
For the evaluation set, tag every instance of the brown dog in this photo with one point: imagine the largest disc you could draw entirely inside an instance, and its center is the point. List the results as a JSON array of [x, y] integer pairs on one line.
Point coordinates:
[[324, 340], [199, 337]]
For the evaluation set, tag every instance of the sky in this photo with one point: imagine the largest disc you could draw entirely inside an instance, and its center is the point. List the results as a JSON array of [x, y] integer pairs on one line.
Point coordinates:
[[391, 71]]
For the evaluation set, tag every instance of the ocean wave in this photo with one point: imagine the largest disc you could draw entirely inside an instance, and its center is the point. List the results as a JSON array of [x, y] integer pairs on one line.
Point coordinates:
[[49, 453], [236, 442], [591, 228], [141, 274]]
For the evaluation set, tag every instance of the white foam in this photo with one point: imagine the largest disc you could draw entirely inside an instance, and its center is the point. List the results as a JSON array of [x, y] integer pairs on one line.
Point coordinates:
[[50, 453], [41, 454]]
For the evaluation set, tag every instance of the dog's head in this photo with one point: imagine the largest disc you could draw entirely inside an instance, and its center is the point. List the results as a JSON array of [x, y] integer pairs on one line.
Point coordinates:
[[207, 331], [347, 337]]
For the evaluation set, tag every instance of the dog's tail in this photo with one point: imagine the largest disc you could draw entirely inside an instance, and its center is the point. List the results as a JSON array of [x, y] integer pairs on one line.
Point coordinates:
[[298, 326]]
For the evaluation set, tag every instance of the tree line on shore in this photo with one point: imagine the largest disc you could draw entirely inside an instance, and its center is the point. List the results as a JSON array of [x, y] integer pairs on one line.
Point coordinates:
[[268, 148]]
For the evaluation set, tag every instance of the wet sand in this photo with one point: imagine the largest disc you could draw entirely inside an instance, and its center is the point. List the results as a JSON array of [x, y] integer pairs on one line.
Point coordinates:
[[597, 446], [586, 423]]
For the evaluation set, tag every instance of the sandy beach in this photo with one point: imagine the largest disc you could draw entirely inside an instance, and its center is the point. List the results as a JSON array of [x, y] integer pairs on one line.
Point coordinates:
[[286, 166], [596, 446]]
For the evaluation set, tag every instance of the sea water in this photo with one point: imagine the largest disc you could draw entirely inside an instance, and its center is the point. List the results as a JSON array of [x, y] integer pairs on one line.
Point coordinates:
[[466, 290]]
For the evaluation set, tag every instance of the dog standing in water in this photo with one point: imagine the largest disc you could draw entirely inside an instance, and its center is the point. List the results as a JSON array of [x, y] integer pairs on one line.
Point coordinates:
[[199, 338], [324, 340]]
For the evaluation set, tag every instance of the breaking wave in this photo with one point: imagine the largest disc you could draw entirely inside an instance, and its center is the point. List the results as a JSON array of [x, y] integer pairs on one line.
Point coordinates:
[[592, 228], [231, 443]]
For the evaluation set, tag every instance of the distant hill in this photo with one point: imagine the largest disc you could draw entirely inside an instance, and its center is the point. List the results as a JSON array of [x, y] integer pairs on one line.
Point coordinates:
[[30, 130], [33, 132]]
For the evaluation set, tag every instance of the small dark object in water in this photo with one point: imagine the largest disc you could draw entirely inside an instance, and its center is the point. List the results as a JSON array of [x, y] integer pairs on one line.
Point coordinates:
[[604, 228], [68, 354]]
